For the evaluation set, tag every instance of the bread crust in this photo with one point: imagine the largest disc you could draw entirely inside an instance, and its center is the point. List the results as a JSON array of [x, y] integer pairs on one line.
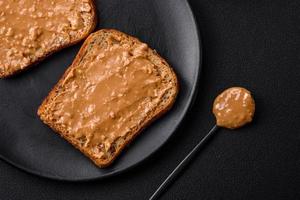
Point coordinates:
[[42, 111], [8, 74]]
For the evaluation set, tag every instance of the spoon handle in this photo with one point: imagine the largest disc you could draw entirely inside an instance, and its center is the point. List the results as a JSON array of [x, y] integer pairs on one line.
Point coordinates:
[[183, 163]]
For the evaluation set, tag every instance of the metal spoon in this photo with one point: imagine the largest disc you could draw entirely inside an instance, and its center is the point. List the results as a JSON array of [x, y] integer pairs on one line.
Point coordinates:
[[233, 108]]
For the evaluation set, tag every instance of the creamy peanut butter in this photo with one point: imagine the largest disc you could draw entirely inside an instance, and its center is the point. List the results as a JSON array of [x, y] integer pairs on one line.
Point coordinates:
[[234, 108], [110, 93], [29, 29]]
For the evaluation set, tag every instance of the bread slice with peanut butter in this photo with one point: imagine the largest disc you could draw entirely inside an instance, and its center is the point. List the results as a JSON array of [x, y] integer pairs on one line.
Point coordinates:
[[115, 87], [31, 30]]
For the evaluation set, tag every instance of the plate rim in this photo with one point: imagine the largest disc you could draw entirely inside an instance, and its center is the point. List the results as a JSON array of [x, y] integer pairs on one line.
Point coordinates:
[[187, 108]]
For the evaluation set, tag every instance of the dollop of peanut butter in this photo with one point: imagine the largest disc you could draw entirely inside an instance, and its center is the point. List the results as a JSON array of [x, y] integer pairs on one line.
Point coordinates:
[[234, 108]]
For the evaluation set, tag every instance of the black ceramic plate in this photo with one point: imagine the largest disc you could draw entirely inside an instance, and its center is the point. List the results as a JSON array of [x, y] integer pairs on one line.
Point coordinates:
[[166, 25]]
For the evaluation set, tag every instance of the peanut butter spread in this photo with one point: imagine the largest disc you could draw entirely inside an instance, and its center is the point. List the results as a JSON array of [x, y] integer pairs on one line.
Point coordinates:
[[30, 29], [234, 108], [108, 94]]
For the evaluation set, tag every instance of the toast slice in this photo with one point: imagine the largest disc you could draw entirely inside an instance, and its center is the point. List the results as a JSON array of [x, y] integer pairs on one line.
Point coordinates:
[[115, 87], [31, 30]]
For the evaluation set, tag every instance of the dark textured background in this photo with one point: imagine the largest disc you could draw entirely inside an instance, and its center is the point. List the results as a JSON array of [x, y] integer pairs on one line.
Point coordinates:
[[254, 44]]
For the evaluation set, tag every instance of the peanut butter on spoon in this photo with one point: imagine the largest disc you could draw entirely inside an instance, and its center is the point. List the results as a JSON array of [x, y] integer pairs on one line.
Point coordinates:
[[234, 108]]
